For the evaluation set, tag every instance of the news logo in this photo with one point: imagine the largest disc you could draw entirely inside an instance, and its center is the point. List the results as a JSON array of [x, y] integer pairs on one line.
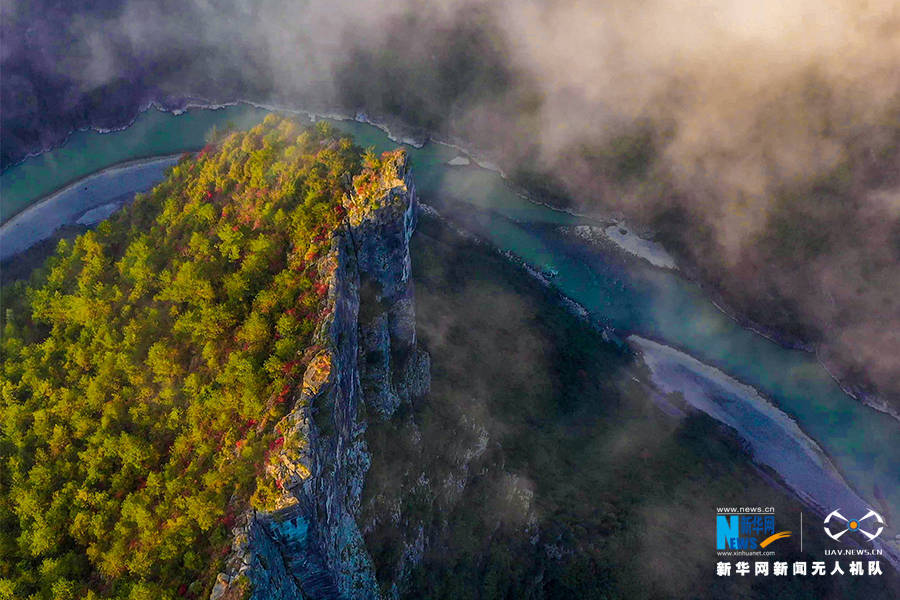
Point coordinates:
[[746, 532]]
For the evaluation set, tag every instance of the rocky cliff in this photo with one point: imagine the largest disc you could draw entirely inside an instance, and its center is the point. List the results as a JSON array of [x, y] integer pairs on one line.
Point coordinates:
[[365, 365]]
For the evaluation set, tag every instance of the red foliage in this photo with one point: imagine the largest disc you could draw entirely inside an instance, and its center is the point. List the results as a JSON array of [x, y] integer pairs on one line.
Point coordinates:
[[228, 519], [283, 396], [274, 447]]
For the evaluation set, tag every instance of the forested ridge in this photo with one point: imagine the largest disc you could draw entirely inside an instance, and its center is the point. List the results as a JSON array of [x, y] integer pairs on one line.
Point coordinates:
[[146, 365]]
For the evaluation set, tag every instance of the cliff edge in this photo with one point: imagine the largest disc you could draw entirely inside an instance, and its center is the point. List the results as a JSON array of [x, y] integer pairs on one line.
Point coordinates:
[[366, 365]]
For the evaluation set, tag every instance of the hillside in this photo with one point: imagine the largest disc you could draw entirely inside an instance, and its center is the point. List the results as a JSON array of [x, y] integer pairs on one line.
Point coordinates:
[[146, 365], [223, 392]]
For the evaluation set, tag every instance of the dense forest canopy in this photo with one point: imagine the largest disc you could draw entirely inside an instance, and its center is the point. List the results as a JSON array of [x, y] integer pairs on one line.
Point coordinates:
[[146, 365]]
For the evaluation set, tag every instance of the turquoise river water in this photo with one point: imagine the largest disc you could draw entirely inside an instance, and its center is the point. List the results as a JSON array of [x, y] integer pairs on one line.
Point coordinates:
[[628, 295]]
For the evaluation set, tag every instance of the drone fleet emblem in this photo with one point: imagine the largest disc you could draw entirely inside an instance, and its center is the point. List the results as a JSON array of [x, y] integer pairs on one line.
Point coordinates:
[[854, 525]]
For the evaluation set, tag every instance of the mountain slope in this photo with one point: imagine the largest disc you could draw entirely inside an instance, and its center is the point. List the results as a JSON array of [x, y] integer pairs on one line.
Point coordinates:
[[146, 366]]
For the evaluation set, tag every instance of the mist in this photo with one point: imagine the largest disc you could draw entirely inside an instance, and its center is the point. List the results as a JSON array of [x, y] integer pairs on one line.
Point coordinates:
[[743, 95], [769, 128]]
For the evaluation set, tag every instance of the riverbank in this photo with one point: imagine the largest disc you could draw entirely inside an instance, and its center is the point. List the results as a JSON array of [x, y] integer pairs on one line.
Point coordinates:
[[853, 384], [679, 385], [592, 464], [657, 255], [857, 389], [24, 264], [641, 244], [626, 240], [654, 303], [397, 132], [114, 185], [634, 243], [774, 439]]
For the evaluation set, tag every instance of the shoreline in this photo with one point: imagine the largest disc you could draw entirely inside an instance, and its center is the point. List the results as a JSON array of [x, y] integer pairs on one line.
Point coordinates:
[[874, 402], [7, 218], [714, 377], [67, 204], [142, 108], [849, 387], [806, 468], [131, 164]]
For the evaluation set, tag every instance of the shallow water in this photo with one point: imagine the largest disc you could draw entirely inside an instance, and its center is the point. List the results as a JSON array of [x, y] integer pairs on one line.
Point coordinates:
[[618, 290], [154, 133], [38, 221]]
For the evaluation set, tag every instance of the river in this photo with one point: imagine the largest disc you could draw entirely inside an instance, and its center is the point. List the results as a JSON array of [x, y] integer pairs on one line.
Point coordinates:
[[690, 346]]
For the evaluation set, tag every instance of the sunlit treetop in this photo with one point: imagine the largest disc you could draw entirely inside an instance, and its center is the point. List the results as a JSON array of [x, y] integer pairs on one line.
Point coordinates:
[[146, 365]]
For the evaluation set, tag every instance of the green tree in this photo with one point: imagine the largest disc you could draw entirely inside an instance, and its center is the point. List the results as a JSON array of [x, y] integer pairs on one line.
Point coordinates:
[[143, 364]]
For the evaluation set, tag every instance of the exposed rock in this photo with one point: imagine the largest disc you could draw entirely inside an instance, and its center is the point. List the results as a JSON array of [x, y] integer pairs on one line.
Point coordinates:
[[311, 546], [256, 567]]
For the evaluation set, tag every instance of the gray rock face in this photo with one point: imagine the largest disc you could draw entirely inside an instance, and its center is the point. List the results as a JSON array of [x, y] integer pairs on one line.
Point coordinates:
[[375, 358], [313, 548]]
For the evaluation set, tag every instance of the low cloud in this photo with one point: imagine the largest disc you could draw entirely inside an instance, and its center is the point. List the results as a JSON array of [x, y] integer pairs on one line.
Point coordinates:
[[721, 109]]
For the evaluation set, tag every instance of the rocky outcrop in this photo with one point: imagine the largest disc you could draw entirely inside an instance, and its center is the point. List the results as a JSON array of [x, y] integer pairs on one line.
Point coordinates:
[[310, 546]]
